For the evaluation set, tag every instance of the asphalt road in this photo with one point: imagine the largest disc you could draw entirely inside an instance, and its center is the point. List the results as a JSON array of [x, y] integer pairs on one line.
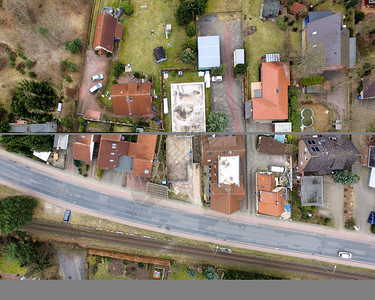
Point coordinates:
[[180, 221]]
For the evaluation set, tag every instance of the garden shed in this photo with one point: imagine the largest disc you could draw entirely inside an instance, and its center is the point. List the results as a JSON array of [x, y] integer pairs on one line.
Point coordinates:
[[208, 52]]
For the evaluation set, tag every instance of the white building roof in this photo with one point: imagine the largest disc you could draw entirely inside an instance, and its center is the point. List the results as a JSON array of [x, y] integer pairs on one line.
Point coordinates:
[[42, 155], [239, 56], [229, 170], [282, 127], [208, 52]]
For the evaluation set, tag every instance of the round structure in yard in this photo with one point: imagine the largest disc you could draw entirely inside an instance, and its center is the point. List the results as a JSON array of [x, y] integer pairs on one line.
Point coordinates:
[[307, 117]]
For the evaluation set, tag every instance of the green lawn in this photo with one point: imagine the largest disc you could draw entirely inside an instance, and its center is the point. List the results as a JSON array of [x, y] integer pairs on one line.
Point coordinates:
[[118, 128], [186, 77], [97, 127], [103, 274], [11, 266], [267, 39], [179, 272], [329, 5], [223, 6]]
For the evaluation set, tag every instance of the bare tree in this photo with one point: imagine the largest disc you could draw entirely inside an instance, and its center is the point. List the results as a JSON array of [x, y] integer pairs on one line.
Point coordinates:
[[313, 60]]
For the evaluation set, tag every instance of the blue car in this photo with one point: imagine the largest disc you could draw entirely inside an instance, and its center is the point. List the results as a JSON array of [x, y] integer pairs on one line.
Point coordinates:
[[371, 218], [67, 215]]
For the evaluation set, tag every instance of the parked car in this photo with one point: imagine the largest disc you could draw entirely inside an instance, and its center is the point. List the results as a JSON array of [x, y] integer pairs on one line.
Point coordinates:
[[67, 215], [371, 218], [97, 77], [217, 78], [344, 254], [96, 88], [276, 169]]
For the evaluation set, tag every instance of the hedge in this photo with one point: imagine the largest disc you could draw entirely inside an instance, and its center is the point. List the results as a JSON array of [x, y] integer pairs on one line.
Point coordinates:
[[312, 80]]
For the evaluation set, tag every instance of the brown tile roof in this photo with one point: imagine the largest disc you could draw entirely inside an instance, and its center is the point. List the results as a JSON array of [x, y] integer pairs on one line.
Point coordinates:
[[212, 147], [105, 31], [82, 148], [144, 148], [271, 203], [266, 181], [142, 167], [119, 30], [273, 105], [227, 199], [297, 8], [109, 151], [271, 146], [92, 114], [368, 87], [132, 99]]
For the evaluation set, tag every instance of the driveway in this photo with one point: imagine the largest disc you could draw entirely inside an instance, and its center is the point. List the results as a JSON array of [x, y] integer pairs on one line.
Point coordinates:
[[72, 263], [95, 64], [226, 96]]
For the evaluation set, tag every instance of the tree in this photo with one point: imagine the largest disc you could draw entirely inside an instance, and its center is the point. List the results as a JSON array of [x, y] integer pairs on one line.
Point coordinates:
[[118, 68], [15, 212], [190, 29], [29, 64], [187, 55], [192, 273], [217, 71], [192, 44], [313, 60], [4, 126], [351, 3], [24, 252], [188, 9], [217, 121], [26, 144], [81, 119], [345, 177], [240, 69], [210, 273], [73, 46], [127, 8], [359, 16], [3, 111]]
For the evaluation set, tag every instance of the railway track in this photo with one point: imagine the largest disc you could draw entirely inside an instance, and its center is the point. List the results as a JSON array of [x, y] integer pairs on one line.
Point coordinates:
[[165, 246]]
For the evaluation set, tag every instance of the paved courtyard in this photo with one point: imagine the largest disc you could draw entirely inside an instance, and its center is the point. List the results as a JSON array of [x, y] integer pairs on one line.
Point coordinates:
[[226, 96], [178, 156], [72, 263]]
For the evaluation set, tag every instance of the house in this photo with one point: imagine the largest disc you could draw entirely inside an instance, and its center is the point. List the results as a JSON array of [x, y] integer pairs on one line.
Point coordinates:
[[312, 190], [132, 99], [368, 88], [281, 128], [224, 155], [107, 30], [208, 52], [92, 115], [368, 153], [271, 9], [60, 141], [368, 6], [83, 148], [270, 96], [159, 54], [328, 29], [23, 127], [270, 199], [297, 8], [271, 146], [322, 155], [124, 156]]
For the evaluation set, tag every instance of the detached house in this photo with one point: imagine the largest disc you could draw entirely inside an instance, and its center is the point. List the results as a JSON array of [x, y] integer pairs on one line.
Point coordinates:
[[224, 155], [84, 148], [132, 99], [328, 29], [107, 30], [270, 96], [323, 155]]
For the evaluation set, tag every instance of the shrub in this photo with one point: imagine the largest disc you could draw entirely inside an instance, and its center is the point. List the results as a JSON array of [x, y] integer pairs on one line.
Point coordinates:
[[295, 29], [109, 54], [327, 221], [280, 22], [99, 173], [19, 51], [87, 167], [69, 78], [240, 69], [359, 16], [137, 75], [188, 9], [44, 32], [77, 163], [73, 46], [81, 119], [140, 265], [4, 126], [312, 80], [32, 74], [81, 128], [29, 64], [190, 29], [344, 177], [106, 117], [96, 52], [72, 67], [350, 224], [114, 81], [351, 3], [192, 44], [217, 121], [192, 273], [373, 228], [118, 68], [210, 273], [290, 23], [84, 175], [127, 8], [217, 71], [187, 55], [173, 73]]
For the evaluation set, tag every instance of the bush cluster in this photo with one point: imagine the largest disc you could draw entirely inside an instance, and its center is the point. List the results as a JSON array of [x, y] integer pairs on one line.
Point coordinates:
[[312, 80]]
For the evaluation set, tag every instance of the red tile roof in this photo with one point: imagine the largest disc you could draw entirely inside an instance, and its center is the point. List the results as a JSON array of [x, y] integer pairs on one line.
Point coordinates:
[[266, 182], [132, 99], [273, 105], [271, 203], [82, 148], [297, 8], [92, 114], [105, 32]]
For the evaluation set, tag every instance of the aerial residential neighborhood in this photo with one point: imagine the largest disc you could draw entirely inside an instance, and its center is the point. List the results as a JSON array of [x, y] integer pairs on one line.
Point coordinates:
[[187, 140]]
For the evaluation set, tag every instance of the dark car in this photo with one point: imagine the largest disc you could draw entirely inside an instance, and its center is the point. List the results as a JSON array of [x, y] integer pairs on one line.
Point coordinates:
[[371, 218], [67, 215], [156, 119]]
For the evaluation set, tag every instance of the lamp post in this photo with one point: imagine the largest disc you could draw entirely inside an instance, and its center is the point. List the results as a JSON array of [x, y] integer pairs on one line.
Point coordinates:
[[334, 268]]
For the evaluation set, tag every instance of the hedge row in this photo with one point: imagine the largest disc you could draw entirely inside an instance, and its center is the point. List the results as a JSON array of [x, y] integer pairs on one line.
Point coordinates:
[[312, 80]]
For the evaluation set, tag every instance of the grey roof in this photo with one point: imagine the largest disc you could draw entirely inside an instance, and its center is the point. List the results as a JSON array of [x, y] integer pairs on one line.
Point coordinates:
[[330, 33], [314, 89], [124, 164], [43, 128], [208, 52], [352, 51], [270, 9], [316, 15], [371, 157], [312, 190], [329, 153], [273, 57], [368, 87], [240, 56], [159, 54]]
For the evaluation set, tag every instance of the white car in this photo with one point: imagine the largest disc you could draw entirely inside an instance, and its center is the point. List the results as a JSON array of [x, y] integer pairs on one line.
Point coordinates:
[[97, 77], [95, 88], [217, 78], [344, 254]]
